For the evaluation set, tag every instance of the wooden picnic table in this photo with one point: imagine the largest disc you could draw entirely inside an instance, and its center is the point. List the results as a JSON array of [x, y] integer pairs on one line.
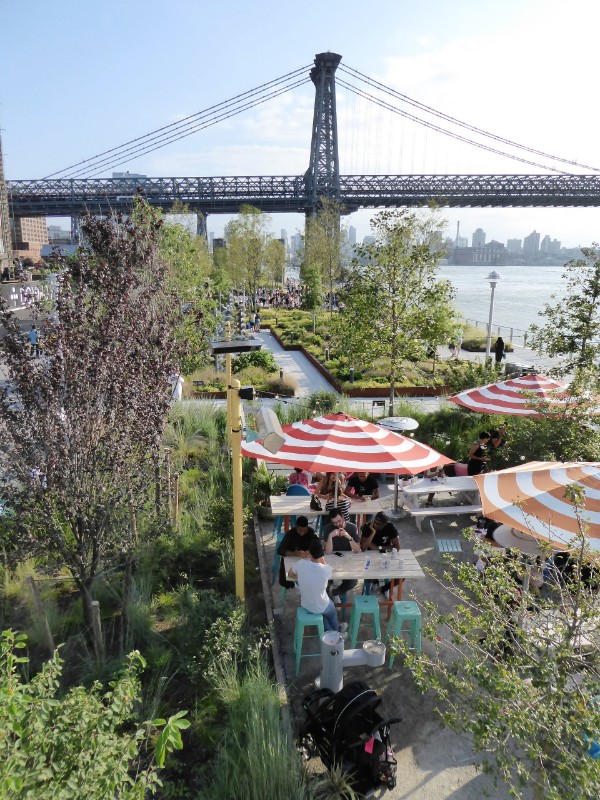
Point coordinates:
[[352, 566], [426, 486]]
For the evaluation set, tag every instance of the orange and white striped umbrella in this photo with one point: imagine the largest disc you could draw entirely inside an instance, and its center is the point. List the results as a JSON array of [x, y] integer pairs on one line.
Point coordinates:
[[514, 396], [531, 498], [340, 443]]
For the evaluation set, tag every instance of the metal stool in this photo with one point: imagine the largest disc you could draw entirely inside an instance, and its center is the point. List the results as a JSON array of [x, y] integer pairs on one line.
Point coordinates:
[[405, 611], [364, 604], [305, 619]]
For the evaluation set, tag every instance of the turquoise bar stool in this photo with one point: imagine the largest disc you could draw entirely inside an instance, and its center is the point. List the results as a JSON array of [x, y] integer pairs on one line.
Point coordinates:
[[305, 619], [364, 604], [405, 611]]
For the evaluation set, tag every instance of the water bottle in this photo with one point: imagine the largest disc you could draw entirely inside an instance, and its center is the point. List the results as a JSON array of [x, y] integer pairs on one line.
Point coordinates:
[[367, 563]]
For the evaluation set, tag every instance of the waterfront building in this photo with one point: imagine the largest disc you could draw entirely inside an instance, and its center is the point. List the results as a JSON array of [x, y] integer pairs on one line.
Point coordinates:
[[492, 253], [531, 244], [514, 245], [28, 236], [58, 235], [478, 239]]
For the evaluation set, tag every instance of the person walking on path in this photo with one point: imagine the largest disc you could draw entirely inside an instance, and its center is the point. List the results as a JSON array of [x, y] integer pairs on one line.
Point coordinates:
[[34, 342], [499, 349]]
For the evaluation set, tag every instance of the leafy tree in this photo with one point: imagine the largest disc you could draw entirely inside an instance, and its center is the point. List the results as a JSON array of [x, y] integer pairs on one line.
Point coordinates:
[[248, 239], [519, 672], [395, 306], [324, 244], [85, 743], [275, 261], [81, 426], [190, 265], [572, 328]]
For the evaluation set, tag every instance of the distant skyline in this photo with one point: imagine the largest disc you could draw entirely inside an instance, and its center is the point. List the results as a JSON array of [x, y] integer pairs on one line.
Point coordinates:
[[77, 79]]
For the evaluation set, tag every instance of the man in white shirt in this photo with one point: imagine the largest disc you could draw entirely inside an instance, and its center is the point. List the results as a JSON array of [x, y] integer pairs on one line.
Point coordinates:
[[313, 574]]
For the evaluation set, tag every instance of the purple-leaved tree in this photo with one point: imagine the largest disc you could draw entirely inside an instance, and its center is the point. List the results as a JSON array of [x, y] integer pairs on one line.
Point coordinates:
[[81, 425]]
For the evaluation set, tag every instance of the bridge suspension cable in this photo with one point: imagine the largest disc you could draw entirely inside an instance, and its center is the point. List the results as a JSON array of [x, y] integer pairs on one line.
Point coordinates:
[[160, 137], [357, 75], [432, 126]]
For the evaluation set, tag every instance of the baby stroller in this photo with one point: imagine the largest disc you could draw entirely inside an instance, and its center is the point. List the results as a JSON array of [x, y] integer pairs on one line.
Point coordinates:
[[345, 729]]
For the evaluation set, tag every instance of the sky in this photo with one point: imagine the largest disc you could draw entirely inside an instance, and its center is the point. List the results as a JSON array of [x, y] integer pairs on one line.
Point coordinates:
[[77, 78]]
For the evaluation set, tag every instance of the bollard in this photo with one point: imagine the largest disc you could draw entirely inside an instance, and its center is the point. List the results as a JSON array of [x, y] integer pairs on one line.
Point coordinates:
[[334, 658], [281, 374], [291, 337], [351, 374], [332, 661], [326, 354]]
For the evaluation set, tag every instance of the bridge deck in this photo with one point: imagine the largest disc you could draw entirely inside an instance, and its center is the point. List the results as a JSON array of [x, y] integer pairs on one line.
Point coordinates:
[[286, 193]]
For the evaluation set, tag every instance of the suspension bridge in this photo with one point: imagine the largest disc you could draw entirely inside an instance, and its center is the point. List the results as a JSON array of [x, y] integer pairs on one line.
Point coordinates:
[[76, 189]]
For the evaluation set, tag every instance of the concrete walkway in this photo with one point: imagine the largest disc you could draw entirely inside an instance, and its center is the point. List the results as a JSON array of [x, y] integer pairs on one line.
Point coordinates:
[[294, 363]]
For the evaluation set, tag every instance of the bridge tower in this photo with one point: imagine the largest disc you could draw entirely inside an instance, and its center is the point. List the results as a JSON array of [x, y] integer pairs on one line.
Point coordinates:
[[322, 178]]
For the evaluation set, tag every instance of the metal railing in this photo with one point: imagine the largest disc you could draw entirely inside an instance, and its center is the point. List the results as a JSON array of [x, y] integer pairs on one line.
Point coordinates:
[[514, 335]]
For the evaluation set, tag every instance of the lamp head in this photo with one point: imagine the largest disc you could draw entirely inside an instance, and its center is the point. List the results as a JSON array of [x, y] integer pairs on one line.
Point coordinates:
[[273, 438]]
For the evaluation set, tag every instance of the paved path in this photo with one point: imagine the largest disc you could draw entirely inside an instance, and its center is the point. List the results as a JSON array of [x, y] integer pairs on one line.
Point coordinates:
[[296, 364]]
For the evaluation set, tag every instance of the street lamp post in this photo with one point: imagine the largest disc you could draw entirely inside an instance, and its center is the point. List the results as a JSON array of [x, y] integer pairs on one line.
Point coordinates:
[[493, 278]]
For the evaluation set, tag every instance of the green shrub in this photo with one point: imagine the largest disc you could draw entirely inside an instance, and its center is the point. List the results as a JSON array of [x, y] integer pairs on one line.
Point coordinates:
[[255, 358], [286, 386]]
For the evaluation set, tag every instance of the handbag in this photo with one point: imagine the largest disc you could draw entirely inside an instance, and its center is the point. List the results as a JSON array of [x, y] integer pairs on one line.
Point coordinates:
[[315, 503]]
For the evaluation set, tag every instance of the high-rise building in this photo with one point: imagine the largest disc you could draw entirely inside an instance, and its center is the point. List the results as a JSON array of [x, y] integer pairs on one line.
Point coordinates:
[[352, 235], [514, 245], [478, 239], [531, 244], [28, 236], [5, 248]]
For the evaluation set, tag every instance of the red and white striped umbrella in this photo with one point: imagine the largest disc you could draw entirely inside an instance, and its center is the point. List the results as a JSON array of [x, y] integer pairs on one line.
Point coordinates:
[[340, 443], [531, 498], [514, 396]]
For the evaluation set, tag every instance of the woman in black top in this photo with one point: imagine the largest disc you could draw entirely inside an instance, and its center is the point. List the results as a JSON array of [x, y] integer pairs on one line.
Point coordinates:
[[478, 457], [499, 349]]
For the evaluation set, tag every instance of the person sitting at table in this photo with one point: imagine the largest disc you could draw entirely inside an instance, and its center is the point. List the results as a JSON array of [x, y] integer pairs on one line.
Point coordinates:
[[434, 473], [379, 534], [341, 537], [362, 485], [295, 543], [299, 477], [326, 490], [313, 575], [478, 456]]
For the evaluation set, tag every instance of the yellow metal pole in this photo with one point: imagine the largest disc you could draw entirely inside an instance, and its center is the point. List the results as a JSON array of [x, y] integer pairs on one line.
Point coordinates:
[[228, 380], [233, 394]]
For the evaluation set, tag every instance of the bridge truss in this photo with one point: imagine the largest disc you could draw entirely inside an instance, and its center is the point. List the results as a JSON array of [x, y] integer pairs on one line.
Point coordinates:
[[281, 193]]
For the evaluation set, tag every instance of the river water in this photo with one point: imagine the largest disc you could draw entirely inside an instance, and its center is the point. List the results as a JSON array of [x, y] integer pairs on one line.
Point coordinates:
[[520, 294]]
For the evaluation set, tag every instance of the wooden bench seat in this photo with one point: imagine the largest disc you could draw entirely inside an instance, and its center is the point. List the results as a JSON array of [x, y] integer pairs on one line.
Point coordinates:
[[441, 511]]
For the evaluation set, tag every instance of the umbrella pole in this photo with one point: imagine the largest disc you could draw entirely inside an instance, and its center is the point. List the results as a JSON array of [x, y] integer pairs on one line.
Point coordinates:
[[396, 493]]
